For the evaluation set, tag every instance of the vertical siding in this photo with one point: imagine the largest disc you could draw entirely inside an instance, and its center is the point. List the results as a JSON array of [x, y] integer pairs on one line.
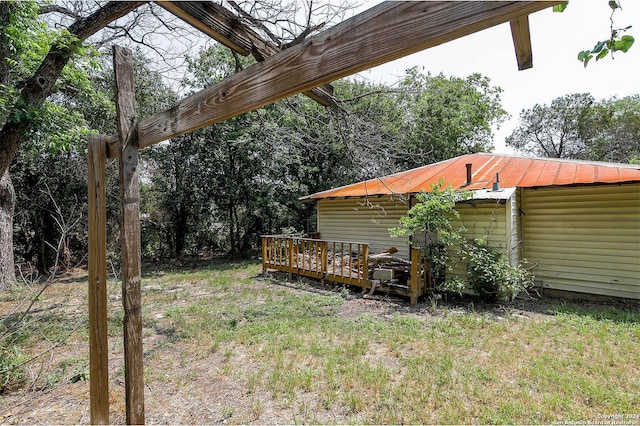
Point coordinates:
[[487, 221], [364, 220], [584, 239]]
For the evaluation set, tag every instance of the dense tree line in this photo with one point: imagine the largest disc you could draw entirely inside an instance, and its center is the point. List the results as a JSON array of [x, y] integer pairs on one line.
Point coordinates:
[[217, 189], [580, 127]]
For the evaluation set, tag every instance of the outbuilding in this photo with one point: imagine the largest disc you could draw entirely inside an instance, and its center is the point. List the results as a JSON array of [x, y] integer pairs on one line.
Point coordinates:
[[576, 222]]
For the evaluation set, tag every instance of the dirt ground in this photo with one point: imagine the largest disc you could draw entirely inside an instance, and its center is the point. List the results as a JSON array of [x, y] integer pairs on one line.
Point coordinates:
[[212, 391]]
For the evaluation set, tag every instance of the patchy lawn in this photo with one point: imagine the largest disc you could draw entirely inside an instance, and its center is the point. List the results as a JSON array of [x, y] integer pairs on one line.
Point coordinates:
[[225, 345]]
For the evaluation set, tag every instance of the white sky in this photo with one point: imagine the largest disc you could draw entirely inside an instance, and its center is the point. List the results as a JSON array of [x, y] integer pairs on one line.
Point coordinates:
[[556, 39]]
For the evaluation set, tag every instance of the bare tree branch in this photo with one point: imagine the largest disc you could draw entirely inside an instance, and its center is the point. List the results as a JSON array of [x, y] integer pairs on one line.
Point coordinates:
[[54, 8]]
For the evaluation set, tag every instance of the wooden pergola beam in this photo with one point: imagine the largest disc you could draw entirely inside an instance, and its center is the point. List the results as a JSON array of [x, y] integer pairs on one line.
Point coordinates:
[[225, 27], [381, 34], [522, 42], [216, 22]]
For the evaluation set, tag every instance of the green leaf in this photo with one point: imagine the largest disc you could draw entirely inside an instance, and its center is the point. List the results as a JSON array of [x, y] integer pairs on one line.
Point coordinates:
[[602, 54], [584, 57], [614, 4], [624, 44], [598, 47], [560, 7]]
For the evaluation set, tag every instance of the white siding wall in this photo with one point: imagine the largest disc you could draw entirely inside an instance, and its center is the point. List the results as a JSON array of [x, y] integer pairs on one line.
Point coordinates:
[[584, 239], [363, 220]]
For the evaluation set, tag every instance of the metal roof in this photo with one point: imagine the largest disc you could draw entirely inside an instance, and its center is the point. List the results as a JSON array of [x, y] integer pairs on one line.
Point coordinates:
[[514, 172]]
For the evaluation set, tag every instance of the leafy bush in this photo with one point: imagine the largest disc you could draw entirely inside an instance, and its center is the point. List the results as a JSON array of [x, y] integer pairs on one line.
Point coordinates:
[[453, 285], [11, 371], [432, 219], [491, 275]]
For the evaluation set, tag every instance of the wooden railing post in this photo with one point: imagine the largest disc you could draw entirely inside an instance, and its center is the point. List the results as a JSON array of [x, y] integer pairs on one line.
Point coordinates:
[[365, 265], [324, 263], [98, 345], [264, 254], [290, 259], [415, 275]]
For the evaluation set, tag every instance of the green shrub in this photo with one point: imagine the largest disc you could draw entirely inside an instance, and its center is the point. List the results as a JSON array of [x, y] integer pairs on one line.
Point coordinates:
[[490, 273], [11, 370]]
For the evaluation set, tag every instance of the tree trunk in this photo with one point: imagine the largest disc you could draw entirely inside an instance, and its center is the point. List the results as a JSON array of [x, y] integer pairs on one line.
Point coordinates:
[[7, 204]]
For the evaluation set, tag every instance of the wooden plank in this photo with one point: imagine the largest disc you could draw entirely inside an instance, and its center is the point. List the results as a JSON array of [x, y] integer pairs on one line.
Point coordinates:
[[264, 254], [415, 275], [325, 260], [130, 236], [365, 266], [215, 21], [385, 32], [225, 27], [98, 345], [522, 42]]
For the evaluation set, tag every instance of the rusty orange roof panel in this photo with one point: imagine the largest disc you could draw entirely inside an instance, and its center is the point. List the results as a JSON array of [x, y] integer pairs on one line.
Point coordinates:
[[514, 172]]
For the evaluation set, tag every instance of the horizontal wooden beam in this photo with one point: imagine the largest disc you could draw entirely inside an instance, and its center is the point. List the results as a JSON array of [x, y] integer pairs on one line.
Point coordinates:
[[381, 34], [215, 21], [522, 42], [225, 27]]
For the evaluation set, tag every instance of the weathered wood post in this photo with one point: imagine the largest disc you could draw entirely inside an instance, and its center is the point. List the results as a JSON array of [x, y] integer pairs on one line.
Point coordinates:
[[98, 347], [365, 264], [324, 263], [415, 275], [130, 235], [290, 258], [264, 254]]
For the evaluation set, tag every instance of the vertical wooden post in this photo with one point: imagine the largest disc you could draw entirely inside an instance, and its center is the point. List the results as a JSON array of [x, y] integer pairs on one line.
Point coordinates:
[[290, 257], [130, 235], [415, 275], [365, 265], [264, 254], [324, 268], [98, 347]]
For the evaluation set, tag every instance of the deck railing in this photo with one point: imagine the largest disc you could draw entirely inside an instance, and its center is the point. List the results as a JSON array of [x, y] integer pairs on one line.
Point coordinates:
[[338, 261]]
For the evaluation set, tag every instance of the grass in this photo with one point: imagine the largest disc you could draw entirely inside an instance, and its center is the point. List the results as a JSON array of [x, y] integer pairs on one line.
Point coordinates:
[[295, 353]]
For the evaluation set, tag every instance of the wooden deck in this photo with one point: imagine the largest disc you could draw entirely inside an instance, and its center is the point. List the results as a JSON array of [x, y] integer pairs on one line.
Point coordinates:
[[345, 262]]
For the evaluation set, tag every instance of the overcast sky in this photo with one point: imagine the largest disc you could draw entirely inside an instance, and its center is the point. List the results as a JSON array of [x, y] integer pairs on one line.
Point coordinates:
[[556, 38]]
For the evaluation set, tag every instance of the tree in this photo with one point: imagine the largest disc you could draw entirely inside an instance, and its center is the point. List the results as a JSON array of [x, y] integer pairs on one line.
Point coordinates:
[[51, 169], [21, 108], [447, 117], [612, 132], [79, 21], [379, 129], [555, 130], [579, 127]]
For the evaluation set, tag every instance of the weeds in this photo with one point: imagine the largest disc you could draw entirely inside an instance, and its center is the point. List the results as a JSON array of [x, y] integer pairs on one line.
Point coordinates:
[[286, 354]]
